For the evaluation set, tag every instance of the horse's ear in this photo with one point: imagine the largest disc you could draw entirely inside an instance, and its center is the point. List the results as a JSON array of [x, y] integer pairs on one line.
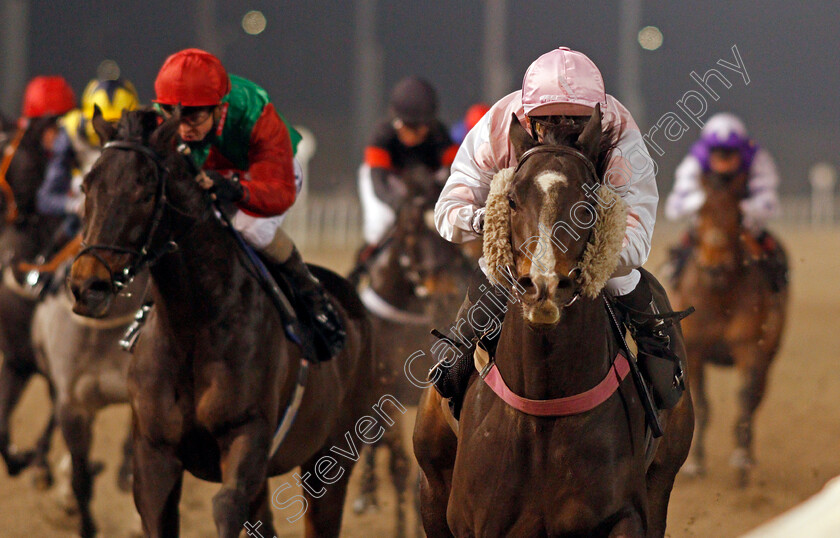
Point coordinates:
[[163, 135], [589, 140], [519, 137], [104, 129]]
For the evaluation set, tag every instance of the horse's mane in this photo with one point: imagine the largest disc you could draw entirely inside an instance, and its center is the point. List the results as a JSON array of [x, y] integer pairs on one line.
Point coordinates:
[[566, 134]]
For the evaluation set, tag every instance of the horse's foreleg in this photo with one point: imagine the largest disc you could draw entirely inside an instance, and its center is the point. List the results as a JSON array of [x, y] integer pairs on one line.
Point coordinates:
[[671, 454], [260, 518], [244, 464], [14, 375], [753, 367], [367, 493], [124, 476], [157, 487], [435, 445], [43, 478], [324, 495], [400, 468], [696, 465], [76, 429]]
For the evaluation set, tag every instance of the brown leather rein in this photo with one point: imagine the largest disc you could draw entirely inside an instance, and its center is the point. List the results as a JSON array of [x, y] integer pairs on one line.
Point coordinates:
[[8, 194]]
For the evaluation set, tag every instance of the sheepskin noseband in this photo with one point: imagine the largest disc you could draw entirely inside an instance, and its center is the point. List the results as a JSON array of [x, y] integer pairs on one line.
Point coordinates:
[[600, 258]]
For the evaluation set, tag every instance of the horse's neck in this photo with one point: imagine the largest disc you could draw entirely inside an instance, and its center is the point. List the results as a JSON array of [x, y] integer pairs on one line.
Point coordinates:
[[196, 281], [565, 360], [389, 281], [724, 219]]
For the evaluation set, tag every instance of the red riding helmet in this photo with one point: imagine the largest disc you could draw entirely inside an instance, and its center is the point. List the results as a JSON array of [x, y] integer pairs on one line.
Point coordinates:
[[191, 77], [48, 96]]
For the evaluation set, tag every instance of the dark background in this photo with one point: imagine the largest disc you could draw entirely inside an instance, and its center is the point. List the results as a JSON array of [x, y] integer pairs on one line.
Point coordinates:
[[305, 59]]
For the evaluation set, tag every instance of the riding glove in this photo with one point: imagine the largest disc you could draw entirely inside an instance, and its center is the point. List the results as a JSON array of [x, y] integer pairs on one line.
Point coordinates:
[[226, 190]]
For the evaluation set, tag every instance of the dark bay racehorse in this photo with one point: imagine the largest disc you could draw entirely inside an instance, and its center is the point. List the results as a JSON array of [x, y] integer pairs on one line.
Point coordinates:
[[213, 371], [524, 470], [740, 316], [23, 232], [416, 282]]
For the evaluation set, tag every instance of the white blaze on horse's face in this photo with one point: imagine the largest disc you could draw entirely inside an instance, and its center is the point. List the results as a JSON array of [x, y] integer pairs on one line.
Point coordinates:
[[543, 273]]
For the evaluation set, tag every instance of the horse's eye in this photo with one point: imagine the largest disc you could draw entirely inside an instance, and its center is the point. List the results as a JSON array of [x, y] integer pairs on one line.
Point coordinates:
[[148, 197], [511, 203]]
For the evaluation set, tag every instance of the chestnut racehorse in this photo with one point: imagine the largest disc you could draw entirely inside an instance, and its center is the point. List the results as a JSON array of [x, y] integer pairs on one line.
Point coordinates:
[[213, 369], [517, 467], [740, 316]]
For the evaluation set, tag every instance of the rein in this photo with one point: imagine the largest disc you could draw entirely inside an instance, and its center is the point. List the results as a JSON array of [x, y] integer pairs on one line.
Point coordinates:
[[147, 255], [8, 194]]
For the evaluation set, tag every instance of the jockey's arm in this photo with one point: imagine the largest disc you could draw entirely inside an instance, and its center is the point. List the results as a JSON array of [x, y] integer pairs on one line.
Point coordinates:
[[270, 179], [762, 201], [466, 190], [687, 196], [387, 186], [637, 187], [53, 196]]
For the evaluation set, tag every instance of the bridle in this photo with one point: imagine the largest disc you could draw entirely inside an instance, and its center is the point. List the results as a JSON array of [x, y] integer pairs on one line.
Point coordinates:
[[148, 254], [592, 179]]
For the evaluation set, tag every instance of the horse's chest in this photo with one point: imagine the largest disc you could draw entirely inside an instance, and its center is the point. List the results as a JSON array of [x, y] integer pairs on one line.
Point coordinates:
[[543, 476]]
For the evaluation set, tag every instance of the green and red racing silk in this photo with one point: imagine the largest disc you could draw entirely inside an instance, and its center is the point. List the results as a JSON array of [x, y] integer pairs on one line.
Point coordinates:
[[255, 142]]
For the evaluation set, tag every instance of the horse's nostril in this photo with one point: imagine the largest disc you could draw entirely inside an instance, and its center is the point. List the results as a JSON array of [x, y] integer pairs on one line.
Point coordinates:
[[98, 286], [526, 283]]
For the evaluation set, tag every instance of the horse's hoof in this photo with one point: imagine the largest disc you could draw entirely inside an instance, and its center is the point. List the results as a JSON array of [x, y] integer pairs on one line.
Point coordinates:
[[42, 478], [693, 470], [16, 461]]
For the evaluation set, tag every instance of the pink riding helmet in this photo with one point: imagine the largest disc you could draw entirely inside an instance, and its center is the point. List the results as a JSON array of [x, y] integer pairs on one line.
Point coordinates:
[[562, 82]]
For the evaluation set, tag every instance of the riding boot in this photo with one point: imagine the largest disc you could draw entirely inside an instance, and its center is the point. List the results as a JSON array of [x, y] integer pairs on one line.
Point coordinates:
[[454, 351], [773, 261], [308, 289], [656, 357], [679, 255]]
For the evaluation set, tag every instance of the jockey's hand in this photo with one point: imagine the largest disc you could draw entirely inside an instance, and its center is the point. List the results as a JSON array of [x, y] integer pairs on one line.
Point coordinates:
[[220, 187], [477, 223]]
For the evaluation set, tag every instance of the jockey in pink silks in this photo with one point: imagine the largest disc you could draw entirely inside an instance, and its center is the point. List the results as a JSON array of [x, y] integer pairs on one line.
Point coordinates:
[[561, 85]]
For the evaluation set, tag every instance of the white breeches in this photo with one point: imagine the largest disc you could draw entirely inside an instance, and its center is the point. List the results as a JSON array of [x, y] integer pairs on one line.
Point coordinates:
[[260, 231], [377, 216]]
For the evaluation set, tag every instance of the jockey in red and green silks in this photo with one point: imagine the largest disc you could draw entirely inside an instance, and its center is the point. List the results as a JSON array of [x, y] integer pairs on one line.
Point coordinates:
[[246, 151]]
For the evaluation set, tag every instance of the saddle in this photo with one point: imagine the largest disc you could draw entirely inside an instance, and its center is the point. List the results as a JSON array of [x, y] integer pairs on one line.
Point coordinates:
[[309, 329]]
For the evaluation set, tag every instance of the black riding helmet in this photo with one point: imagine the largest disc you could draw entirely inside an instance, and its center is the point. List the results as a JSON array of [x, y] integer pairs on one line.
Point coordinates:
[[414, 101]]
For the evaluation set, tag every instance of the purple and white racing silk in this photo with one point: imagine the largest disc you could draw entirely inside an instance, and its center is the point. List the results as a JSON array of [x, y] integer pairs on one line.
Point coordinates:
[[760, 205]]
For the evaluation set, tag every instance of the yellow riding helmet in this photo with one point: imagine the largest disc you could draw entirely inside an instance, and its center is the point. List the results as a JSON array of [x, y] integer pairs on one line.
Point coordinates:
[[112, 97]]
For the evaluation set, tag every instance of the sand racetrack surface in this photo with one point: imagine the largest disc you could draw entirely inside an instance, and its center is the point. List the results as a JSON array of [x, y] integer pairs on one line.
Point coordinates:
[[797, 431]]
